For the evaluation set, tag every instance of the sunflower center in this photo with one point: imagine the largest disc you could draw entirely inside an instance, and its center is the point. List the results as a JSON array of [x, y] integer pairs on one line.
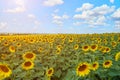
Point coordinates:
[[119, 40], [113, 43], [58, 51], [94, 65], [107, 63], [31, 40], [4, 68], [6, 43], [29, 55], [13, 40], [40, 48], [82, 68], [18, 44], [85, 47], [50, 71], [93, 47], [59, 46], [76, 46], [12, 48], [70, 38], [107, 49], [27, 63]]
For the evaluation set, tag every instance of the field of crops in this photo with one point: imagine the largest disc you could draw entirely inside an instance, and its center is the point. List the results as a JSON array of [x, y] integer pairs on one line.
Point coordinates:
[[60, 56]]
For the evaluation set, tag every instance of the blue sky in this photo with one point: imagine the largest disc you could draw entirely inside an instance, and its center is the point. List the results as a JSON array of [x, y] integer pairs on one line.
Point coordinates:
[[59, 16]]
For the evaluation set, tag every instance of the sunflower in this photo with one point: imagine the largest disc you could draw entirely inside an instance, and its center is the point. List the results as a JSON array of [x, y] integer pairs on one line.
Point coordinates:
[[13, 40], [103, 49], [5, 71], [51, 40], [6, 43], [27, 65], [117, 56], [71, 39], [83, 69], [85, 48], [18, 44], [29, 56], [3, 56], [59, 46], [40, 49], [31, 40], [58, 51], [107, 49], [105, 41], [95, 66], [118, 40], [100, 48], [93, 47], [113, 43], [50, 72], [99, 40], [107, 64], [76, 46], [12, 49]]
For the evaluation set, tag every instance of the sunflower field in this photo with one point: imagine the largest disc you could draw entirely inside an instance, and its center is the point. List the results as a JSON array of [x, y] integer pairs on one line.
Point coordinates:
[[60, 56]]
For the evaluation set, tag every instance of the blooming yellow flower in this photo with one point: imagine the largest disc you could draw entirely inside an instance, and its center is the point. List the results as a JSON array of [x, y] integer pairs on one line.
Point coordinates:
[[27, 65], [107, 64], [59, 46], [95, 66], [29, 56], [113, 43], [31, 40], [58, 51], [83, 69], [107, 49], [71, 39], [76, 46], [117, 56], [5, 71], [40, 49], [85, 48], [6, 43], [50, 72], [18, 44], [93, 47], [12, 49]]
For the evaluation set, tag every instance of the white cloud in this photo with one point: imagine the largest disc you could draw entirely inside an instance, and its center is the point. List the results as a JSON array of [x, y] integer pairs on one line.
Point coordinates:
[[59, 20], [116, 17], [57, 10], [37, 23], [116, 14], [93, 16], [112, 1], [117, 24], [80, 16], [60, 17], [77, 23], [31, 16], [16, 10], [85, 6], [20, 2], [65, 16], [57, 17], [3, 25], [20, 7], [53, 2], [104, 9]]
